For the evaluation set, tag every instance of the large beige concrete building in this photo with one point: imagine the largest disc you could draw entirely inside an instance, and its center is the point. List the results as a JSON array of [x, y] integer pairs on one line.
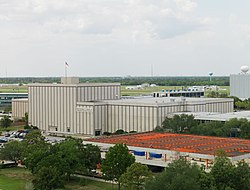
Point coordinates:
[[53, 107], [93, 109]]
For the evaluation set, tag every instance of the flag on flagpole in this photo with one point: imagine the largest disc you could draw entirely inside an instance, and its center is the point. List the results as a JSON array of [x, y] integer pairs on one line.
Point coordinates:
[[66, 64]]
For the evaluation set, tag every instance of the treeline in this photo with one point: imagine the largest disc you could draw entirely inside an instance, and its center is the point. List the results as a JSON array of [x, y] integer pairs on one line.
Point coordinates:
[[177, 81], [242, 104], [27, 80], [223, 175], [52, 165], [161, 81], [187, 124]]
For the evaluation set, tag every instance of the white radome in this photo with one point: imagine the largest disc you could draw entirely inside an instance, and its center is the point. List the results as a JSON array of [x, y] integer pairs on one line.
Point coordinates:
[[244, 68]]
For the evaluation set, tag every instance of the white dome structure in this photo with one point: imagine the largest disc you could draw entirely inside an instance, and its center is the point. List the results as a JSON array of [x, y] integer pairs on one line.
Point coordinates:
[[244, 69]]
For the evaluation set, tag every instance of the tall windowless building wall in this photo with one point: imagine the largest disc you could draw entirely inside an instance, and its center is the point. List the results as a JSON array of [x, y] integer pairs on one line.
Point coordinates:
[[143, 114], [240, 85], [52, 107]]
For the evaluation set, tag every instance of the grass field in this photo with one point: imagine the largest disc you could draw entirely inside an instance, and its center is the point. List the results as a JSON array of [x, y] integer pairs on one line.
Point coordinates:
[[12, 128], [124, 91], [21, 179], [15, 89], [15, 179]]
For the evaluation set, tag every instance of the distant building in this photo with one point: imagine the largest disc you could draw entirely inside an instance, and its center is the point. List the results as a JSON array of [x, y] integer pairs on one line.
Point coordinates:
[[6, 98], [153, 85], [240, 84], [133, 87], [190, 92]]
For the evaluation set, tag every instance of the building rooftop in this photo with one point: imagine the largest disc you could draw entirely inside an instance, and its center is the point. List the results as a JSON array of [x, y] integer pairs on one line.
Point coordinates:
[[180, 143], [20, 100], [165, 100], [213, 116], [73, 85], [13, 93]]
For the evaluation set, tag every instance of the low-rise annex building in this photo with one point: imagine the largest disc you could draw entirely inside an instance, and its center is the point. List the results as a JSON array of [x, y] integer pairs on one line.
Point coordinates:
[[19, 108], [216, 116], [160, 149], [144, 114]]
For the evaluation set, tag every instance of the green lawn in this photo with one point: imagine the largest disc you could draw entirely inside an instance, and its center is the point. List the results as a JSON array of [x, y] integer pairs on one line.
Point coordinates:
[[20, 179], [87, 184], [16, 89], [15, 179], [12, 128]]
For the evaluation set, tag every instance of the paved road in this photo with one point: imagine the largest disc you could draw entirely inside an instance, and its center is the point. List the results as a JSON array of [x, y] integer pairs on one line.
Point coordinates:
[[95, 179]]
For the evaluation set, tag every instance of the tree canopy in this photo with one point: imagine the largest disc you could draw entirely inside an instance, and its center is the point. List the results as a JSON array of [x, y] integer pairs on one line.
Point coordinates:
[[179, 175], [116, 162], [135, 177], [12, 151], [5, 121], [182, 175], [51, 164], [187, 124]]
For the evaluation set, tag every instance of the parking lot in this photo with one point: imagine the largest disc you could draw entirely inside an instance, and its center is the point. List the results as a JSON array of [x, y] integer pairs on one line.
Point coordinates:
[[20, 135]]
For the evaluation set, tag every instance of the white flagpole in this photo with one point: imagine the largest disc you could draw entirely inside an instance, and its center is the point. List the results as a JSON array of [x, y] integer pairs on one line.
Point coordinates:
[[66, 69]]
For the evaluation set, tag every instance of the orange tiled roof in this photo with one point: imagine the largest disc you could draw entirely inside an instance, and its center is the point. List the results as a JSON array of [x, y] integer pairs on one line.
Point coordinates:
[[180, 142]]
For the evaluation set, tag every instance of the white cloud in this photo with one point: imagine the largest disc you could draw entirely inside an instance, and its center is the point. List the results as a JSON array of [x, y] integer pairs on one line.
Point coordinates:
[[151, 19], [116, 35], [186, 5]]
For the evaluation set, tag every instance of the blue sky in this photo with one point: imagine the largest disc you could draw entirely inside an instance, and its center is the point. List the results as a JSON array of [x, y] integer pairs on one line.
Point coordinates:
[[120, 38]]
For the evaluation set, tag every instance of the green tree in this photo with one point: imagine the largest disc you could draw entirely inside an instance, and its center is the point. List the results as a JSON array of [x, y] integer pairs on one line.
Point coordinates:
[[135, 177], [26, 118], [34, 137], [35, 149], [12, 151], [222, 171], [179, 175], [48, 178], [206, 181], [91, 156], [5, 121], [179, 123], [116, 162], [241, 176], [68, 150], [66, 157]]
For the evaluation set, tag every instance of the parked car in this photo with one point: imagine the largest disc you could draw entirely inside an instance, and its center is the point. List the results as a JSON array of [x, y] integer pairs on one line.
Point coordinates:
[[4, 140]]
